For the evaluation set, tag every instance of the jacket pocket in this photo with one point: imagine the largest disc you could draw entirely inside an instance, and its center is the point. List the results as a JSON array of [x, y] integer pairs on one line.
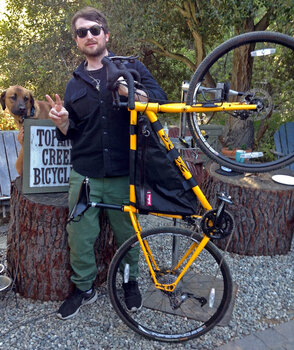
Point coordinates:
[[81, 104]]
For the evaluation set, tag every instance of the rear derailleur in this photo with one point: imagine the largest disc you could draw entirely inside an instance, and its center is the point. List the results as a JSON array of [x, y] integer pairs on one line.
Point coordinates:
[[176, 300]]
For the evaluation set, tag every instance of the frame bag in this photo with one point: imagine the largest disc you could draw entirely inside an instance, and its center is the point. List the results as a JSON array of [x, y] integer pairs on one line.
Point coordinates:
[[159, 185]]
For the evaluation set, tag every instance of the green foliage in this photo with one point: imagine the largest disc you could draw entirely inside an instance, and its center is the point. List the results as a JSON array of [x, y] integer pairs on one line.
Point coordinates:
[[171, 37], [38, 52], [6, 121]]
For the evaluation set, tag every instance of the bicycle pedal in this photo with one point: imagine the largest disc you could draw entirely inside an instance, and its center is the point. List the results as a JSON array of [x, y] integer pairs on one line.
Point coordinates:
[[224, 197]]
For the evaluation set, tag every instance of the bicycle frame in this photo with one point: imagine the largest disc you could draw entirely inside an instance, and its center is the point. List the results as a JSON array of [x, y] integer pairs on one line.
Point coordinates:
[[191, 288], [150, 109]]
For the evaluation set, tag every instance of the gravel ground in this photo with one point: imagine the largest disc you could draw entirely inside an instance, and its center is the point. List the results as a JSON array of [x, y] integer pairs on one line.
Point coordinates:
[[264, 299]]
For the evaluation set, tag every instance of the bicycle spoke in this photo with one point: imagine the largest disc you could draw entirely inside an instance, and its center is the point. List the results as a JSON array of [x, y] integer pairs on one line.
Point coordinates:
[[186, 312], [257, 66]]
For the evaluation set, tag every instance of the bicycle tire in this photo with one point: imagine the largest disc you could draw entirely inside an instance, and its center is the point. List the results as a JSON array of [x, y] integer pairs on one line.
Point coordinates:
[[156, 319], [273, 112]]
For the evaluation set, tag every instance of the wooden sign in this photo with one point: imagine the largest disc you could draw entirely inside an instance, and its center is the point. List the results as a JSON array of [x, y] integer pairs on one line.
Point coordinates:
[[46, 166]]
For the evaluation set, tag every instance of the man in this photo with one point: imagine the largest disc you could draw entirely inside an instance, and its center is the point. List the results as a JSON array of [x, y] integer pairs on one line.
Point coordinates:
[[100, 151]]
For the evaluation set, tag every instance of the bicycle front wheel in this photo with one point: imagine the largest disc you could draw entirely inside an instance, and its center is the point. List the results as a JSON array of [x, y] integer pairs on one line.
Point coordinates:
[[197, 304], [258, 65]]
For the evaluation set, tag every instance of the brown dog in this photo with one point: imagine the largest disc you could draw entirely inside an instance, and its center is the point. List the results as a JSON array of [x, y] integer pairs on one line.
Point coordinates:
[[21, 105]]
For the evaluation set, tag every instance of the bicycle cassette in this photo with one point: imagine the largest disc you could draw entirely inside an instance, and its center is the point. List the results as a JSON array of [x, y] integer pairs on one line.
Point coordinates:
[[263, 101], [217, 228]]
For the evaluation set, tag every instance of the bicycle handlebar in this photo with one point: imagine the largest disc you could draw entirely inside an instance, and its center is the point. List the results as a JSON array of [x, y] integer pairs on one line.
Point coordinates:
[[115, 69]]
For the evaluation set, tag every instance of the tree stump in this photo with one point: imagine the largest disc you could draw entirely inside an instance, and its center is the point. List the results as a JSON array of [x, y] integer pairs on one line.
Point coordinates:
[[38, 252], [263, 211]]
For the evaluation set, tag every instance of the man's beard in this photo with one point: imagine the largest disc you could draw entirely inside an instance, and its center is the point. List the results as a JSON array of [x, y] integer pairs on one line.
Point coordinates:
[[98, 51]]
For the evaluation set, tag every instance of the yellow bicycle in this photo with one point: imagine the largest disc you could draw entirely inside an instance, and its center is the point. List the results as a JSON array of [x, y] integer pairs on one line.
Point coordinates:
[[185, 283]]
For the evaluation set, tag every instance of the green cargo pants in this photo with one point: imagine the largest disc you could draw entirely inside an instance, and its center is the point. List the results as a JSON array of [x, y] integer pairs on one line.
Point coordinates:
[[83, 234]]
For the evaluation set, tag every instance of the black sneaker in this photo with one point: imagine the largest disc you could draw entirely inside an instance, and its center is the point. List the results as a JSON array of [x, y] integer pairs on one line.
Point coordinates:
[[70, 307], [133, 297]]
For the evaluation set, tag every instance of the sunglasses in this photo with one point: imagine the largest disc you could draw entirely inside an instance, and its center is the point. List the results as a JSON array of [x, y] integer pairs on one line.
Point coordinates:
[[95, 31]]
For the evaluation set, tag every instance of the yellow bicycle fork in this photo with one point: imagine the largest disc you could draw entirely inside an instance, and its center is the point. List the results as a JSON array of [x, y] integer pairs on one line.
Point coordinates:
[[194, 250]]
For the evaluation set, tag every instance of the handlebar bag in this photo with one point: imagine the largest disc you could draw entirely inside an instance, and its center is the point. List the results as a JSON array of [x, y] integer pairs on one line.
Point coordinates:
[[159, 185]]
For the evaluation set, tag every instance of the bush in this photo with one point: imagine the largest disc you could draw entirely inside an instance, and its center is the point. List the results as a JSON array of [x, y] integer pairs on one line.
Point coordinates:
[[7, 121]]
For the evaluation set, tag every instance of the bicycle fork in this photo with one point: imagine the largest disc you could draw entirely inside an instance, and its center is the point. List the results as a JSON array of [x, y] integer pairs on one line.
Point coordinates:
[[195, 250]]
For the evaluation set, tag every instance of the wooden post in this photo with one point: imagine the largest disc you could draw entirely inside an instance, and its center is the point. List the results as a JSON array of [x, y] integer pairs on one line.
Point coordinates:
[[263, 211], [38, 253]]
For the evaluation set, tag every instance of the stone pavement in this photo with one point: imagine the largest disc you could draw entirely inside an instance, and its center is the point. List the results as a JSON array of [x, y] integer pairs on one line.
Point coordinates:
[[280, 337]]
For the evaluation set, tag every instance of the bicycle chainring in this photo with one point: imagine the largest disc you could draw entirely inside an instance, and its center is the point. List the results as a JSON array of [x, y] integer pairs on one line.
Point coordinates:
[[214, 230]]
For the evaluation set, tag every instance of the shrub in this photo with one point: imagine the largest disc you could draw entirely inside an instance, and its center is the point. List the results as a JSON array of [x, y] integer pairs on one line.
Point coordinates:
[[7, 121]]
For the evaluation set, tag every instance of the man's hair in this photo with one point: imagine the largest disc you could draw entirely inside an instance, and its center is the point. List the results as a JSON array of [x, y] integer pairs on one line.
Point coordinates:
[[90, 14]]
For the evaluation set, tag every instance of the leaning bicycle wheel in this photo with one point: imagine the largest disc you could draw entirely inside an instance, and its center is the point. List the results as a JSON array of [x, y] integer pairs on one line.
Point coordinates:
[[255, 68], [197, 304]]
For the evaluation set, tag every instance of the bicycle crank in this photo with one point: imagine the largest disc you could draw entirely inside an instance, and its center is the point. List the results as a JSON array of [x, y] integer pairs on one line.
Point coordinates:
[[218, 223]]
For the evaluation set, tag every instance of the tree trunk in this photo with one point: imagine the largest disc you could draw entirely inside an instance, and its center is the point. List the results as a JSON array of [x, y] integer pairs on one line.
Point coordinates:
[[241, 132], [263, 211], [38, 253]]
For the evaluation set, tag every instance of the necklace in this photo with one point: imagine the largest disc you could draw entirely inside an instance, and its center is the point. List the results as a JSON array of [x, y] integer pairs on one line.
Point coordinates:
[[95, 81]]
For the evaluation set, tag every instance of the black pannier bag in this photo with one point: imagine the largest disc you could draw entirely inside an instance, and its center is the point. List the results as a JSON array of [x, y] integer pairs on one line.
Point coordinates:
[[159, 185]]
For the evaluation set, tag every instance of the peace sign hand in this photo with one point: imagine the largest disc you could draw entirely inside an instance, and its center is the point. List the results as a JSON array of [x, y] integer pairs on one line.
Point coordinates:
[[58, 114]]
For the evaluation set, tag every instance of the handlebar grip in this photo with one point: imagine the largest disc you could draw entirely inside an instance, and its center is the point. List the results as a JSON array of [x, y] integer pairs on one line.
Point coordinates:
[[114, 71], [135, 75]]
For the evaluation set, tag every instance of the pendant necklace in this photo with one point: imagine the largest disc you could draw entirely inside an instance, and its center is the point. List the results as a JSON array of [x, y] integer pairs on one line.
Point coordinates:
[[96, 81]]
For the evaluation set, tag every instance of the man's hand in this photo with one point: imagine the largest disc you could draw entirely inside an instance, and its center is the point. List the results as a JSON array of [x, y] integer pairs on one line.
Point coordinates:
[[58, 114], [122, 87], [123, 90]]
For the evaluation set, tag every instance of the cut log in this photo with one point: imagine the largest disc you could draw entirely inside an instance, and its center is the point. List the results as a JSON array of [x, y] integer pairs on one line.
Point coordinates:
[[263, 211], [38, 252]]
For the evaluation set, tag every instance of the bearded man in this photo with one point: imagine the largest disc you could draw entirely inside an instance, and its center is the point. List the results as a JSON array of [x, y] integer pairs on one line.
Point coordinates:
[[99, 134]]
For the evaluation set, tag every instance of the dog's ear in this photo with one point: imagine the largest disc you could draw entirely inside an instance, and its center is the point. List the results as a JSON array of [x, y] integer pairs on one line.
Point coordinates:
[[32, 100], [3, 100]]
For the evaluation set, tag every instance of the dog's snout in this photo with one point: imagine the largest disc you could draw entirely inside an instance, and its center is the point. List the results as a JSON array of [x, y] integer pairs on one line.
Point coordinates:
[[19, 109], [22, 110]]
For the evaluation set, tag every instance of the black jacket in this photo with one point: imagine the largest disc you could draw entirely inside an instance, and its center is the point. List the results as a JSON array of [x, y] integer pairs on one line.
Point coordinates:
[[98, 131]]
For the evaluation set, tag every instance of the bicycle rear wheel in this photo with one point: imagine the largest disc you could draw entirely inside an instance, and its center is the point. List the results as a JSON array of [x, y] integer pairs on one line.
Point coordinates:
[[260, 65], [199, 301]]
